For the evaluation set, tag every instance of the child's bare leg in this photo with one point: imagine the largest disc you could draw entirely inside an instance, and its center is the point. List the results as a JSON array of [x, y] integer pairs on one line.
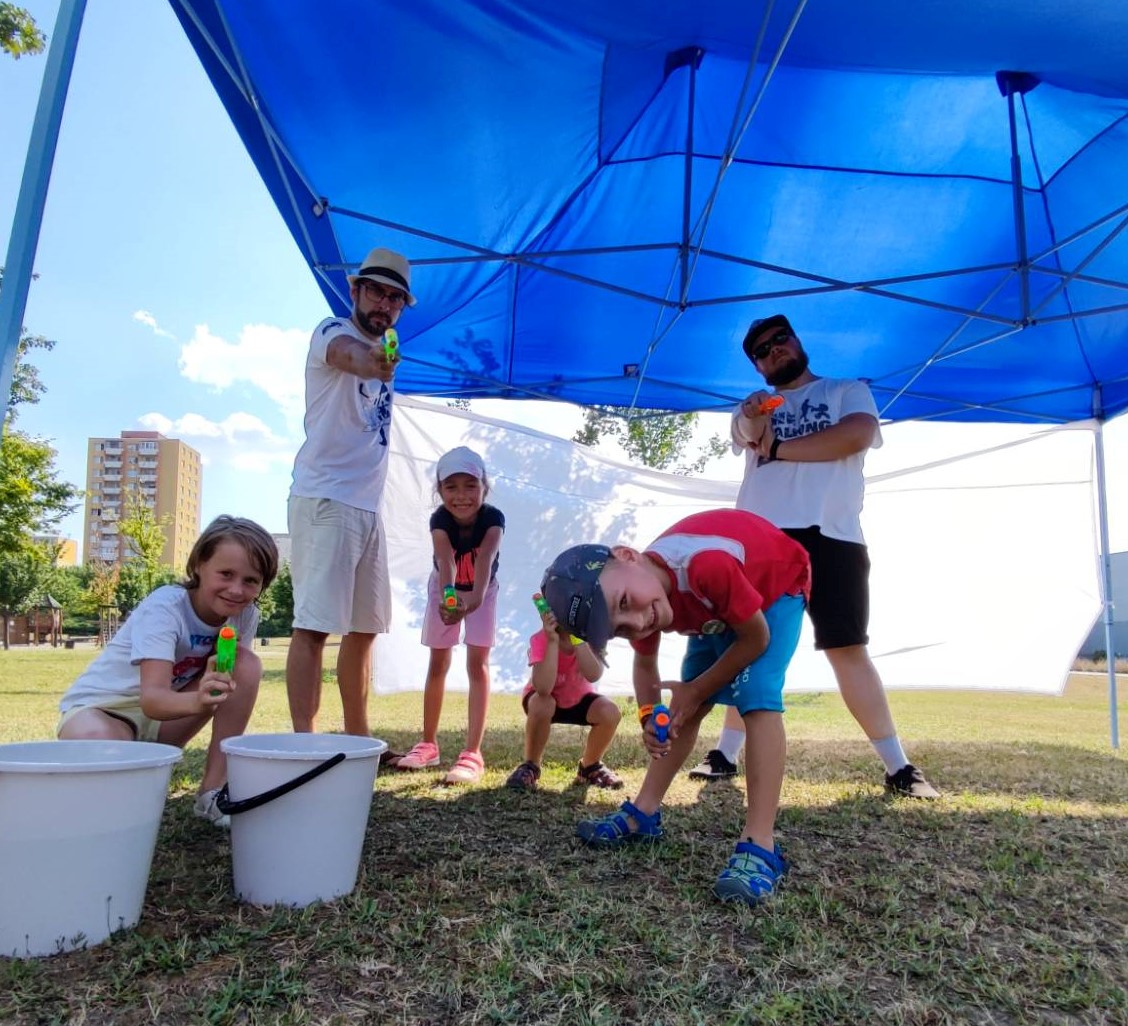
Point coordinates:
[[433, 691], [354, 661], [765, 755], [604, 716], [95, 725], [538, 725], [478, 673], [661, 772]]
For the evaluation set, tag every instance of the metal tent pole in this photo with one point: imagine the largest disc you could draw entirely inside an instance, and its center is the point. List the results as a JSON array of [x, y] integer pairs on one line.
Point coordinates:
[[33, 188], [1106, 584]]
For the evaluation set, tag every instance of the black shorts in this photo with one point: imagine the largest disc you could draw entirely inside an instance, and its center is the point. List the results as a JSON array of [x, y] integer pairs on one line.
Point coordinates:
[[839, 606], [576, 714]]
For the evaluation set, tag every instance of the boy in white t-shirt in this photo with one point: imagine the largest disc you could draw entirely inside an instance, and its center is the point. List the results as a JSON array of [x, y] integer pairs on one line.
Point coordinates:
[[157, 680]]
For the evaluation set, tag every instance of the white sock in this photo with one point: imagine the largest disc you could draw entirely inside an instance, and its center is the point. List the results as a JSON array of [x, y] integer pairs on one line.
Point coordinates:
[[730, 744], [891, 753]]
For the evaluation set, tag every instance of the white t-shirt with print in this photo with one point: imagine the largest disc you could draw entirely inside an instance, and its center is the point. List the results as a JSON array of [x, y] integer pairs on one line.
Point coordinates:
[[347, 421], [163, 626], [827, 495]]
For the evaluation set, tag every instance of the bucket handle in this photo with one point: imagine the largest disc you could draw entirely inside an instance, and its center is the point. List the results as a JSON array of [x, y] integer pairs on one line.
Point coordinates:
[[224, 803]]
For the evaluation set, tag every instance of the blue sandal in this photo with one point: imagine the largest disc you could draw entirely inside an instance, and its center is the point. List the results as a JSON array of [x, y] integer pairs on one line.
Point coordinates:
[[753, 873], [614, 829]]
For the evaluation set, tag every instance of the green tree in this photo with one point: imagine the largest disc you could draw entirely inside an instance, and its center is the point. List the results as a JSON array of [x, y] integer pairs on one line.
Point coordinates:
[[657, 440], [18, 32], [32, 498], [22, 573], [136, 580], [277, 605], [144, 533]]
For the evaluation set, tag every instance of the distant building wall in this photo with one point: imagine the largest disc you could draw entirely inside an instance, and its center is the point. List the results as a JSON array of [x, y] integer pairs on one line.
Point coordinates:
[[1095, 642]]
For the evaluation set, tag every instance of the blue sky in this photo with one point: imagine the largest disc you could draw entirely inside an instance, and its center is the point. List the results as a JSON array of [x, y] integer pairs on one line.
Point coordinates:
[[179, 301]]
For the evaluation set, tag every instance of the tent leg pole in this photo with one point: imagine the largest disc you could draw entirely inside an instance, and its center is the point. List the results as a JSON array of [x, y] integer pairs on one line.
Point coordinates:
[[1106, 585], [33, 189]]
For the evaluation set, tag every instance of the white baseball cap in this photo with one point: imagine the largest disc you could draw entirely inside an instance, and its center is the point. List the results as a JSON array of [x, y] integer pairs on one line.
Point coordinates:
[[461, 461]]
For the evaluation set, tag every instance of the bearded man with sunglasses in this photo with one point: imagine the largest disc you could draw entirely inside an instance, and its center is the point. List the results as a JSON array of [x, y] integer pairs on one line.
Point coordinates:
[[339, 559], [803, 473]]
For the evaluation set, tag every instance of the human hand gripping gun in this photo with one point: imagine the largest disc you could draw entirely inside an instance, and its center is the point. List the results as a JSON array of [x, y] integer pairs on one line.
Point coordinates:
[[225, 647], [391, 345], [773, 402], [661, 723]]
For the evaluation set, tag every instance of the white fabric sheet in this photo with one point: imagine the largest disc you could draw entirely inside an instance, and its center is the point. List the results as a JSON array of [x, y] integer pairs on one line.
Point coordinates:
[[984, 562]]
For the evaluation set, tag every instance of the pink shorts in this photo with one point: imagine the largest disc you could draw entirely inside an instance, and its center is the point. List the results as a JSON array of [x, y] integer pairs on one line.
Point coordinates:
[[481, 625]]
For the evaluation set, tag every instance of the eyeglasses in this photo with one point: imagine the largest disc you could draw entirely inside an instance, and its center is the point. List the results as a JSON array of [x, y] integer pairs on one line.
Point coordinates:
[[376, 292], [780, 338]]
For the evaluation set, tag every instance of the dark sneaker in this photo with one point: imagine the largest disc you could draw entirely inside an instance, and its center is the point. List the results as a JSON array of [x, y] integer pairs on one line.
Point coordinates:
[[909, 782], [713, 767], [524, 777]]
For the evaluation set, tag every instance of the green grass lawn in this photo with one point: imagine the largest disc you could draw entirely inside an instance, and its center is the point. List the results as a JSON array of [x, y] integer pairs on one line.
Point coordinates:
[[1006, 902]]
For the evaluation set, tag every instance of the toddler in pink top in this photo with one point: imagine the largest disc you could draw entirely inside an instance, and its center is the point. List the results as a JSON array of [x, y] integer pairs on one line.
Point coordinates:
[[560, 691]]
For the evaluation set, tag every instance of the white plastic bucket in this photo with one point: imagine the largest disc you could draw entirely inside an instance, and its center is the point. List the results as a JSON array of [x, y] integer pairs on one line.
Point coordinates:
[[78, 825], [303, 845]]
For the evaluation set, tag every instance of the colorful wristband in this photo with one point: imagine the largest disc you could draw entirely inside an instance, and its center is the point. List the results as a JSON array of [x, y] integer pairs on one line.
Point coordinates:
[[644, 713]]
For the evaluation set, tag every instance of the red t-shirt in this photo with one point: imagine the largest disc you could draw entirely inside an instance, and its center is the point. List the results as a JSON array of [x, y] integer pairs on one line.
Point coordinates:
[[725, 566], [571, 685]]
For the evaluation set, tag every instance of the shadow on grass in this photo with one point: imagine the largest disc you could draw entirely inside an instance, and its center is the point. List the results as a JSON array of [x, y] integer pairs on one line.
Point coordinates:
[[478, 904]]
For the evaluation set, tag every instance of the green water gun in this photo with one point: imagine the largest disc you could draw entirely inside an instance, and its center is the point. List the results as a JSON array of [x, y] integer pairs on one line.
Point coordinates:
[[541, 603], [391, 345], [450, 597], [225, 646]]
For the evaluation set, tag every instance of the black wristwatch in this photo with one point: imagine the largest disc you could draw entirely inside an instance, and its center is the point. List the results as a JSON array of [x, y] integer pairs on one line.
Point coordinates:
[[773, 452]]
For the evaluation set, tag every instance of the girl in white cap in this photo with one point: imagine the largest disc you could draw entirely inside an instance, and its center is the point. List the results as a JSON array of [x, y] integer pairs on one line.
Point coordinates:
[[466, 534]]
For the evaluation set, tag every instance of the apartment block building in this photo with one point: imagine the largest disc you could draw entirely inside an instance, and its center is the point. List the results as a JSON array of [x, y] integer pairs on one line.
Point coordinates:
[[163, 473]]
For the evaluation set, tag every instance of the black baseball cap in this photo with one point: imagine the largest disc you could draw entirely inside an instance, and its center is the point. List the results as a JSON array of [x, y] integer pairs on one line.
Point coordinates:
[[759, 327], [571, 586]]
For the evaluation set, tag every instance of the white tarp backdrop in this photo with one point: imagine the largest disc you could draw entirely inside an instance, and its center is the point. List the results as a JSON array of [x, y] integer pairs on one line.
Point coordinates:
[[985, 571]]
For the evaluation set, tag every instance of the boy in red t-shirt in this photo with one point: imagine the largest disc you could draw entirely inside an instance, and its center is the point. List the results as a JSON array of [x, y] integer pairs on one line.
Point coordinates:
[[738, 586], [560, 691]]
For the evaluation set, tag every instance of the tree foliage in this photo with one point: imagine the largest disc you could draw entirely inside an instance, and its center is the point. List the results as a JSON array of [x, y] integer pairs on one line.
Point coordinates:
[[18, 32], [144, 533], [22, 574], [32, 498], [656, 440], [277, 605]]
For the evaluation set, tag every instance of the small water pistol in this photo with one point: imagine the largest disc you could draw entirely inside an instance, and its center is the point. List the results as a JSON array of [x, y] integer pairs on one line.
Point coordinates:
[[450, 599], [225, 646], [773, 402], [391, 346], [661, 723], [541, 603]]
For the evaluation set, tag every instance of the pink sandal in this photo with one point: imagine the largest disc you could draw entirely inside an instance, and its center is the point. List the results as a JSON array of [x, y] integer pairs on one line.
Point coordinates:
[[467, 768]]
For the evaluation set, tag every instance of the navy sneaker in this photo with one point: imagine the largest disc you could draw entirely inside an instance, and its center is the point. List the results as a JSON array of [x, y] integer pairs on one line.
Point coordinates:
[[713, 767], [909, 782]]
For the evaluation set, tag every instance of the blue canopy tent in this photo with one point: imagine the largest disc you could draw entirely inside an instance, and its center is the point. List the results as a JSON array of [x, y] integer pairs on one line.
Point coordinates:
[[598, 197]]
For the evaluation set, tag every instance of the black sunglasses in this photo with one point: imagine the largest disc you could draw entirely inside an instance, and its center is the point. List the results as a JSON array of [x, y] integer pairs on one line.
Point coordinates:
[[781, 337]]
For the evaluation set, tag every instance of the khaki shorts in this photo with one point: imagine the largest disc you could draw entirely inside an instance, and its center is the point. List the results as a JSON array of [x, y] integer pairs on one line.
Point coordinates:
[[339, 564], [126, 709]]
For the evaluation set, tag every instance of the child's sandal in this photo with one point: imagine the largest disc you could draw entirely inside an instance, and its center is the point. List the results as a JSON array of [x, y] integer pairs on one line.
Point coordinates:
[[598, 775], [614, 829]]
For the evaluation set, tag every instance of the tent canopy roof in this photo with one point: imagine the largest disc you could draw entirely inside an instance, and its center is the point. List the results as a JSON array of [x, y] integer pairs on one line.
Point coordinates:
[[597, 198]]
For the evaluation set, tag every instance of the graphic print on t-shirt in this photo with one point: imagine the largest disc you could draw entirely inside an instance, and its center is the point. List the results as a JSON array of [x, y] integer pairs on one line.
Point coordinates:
[[376, 409]]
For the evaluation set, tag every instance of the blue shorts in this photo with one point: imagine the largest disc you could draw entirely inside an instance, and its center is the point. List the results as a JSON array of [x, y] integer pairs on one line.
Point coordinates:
[[759, 686]]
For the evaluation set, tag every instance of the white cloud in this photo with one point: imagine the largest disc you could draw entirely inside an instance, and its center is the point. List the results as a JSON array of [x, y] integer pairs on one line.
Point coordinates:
[[269, 358], [146, 318]]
